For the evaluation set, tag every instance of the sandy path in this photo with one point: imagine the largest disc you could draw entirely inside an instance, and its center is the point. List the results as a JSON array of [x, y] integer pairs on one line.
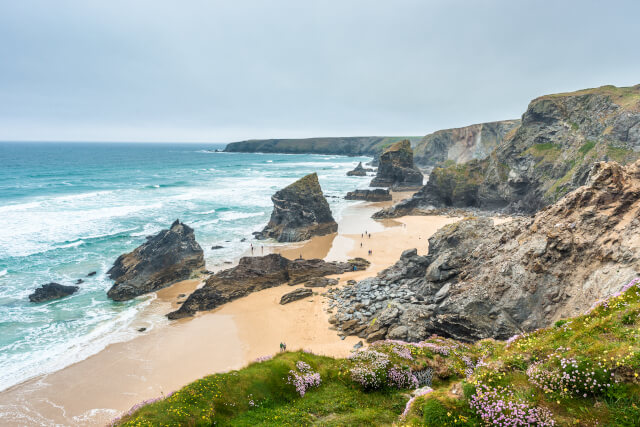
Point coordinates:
[[94, 391]]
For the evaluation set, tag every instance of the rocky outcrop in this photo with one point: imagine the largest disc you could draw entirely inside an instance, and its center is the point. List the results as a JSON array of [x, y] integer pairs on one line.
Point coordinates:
[[460, 145], [346, 146], [396, 168], [300, 211], [296, 295], [359, 171], [256, 273], [170, 256], [320, 282], [375, 195], [481, 280], [547, 156], [52, 291]]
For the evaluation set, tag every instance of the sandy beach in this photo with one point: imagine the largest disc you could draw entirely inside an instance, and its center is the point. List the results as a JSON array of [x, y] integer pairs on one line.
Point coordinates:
[[172, 354]]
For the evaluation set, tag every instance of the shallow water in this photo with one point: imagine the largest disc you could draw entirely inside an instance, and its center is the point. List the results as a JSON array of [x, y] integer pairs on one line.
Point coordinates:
[[67, 209]]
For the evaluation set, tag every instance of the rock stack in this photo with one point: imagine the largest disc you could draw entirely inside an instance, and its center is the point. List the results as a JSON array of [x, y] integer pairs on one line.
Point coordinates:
[[170, 256], [396, 168], [359, 171], [300, 211]]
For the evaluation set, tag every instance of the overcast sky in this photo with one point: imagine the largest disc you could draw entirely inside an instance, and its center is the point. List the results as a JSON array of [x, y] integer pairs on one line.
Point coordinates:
[[187, 70]]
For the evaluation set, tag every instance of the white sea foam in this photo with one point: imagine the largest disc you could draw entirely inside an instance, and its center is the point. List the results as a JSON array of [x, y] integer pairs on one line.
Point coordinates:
[[206, 212], [3, 272], [232, 215]]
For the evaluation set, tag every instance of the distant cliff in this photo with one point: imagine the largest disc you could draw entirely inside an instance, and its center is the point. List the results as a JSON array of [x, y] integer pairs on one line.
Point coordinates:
[[347, 146], [461, 145]]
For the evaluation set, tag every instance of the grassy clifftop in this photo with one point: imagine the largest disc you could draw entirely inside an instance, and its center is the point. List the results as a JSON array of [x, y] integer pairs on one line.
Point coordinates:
[[582, 371], [349, 146]]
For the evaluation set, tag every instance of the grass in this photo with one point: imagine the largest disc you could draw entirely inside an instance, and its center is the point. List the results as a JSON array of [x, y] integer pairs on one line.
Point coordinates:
[[604, 344]]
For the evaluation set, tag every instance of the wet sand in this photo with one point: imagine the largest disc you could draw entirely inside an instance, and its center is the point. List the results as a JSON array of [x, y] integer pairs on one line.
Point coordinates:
[[171, 355]]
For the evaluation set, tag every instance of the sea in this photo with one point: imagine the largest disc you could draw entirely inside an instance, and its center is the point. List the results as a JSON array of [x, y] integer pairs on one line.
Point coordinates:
[[68, 209]]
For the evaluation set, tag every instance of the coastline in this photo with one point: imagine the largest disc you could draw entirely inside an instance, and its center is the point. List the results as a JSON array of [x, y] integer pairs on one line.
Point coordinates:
[[99, 388]]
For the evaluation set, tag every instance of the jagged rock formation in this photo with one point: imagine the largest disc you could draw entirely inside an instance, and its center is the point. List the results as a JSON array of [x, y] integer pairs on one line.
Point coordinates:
[[292, 296], [375, 195], [170, 256], [320, 282], [347, 146], [256, 273], [481, 280], [396, 168], [544, 158], [359, 171], [300, 212], [460, 145], [52, 291]]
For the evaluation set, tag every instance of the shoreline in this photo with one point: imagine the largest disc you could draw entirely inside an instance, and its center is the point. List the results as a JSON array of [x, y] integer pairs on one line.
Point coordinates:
[[98, 389]]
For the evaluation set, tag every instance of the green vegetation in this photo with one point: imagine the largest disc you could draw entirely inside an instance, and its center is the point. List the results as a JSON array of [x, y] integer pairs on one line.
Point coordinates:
[[586, 147], [626, 97], [458, 183], [620, 155], [580, 371]]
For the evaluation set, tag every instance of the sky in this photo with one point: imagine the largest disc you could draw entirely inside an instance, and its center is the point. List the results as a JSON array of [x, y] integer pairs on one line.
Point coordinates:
[[220, 71]]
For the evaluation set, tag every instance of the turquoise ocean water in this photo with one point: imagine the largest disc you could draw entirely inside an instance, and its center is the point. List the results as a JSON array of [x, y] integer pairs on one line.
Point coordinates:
[[67, 209]]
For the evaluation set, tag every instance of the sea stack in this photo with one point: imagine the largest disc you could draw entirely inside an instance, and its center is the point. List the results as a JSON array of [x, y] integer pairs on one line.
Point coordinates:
[[359, 171], [168, 257], [300, 212], [396, 168]]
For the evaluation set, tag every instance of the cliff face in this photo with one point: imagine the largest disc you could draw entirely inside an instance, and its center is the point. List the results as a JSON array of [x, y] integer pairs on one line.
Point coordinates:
[[300, 211], [481, 280], [168, 257], [348, 146], [396, 168], [461, 145], [547, 156]]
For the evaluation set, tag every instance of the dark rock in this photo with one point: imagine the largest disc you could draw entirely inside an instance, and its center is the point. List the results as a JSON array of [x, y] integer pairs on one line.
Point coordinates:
[[52, 291], [292, 296], [244, 239], [377, 195], [216, 247], [396, 168], [170, 256], [93, 273], [300, 211], [256, 273], [142, 329], [320, 282], [79, 281], [359, 171]]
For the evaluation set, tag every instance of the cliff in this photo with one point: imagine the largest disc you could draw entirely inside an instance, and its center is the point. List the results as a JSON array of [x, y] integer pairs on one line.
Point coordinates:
[[396, 168], [460, 145], [484, 281], [170, 256], [347, 146], [300, 211], [550, 154]]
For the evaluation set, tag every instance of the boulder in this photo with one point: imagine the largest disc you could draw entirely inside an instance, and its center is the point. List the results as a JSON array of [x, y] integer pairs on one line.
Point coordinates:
[[170, 256], [300, 211], [376, 195], [292, 296], [396, 169], [52, 291]]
